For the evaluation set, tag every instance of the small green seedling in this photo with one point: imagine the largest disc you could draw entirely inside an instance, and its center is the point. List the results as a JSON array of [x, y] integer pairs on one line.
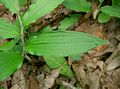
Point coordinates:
[[52, 45]]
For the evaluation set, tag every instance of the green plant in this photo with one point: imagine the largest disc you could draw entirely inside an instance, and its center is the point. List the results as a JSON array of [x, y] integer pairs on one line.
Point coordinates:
[[52, 45], [106, 12]]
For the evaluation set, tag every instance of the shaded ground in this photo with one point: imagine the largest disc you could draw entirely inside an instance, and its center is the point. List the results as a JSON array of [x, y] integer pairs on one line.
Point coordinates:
[[97, 69]]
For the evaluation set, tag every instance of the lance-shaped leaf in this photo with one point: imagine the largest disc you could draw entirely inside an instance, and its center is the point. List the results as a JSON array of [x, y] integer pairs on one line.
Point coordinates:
[[10, 61], [59, 62], [39, 9], [78, 5], [8, 30], [62, 43], [22, 2], [103, 18], [13, 5], [68, 21], [111, 10]]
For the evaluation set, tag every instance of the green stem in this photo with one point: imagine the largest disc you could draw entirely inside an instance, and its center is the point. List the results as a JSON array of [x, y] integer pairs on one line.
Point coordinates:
[[22, 38], [22, 34]]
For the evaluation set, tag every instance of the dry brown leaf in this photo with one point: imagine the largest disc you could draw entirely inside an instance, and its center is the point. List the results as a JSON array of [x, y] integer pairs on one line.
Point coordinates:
[[49, 80], [88, 73], [41, 80], [110, 79], [19, 81], [33, 84], [114, 64]]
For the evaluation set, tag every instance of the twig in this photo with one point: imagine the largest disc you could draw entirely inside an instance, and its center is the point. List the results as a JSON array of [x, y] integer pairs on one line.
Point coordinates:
[[27, 57]]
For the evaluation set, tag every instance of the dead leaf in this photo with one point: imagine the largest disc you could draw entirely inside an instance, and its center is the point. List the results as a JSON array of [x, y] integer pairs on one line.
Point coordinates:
[[49, 80], [114, 64], [88, 72], [41, 80], [33, 84], [19, 81], [110, 79]]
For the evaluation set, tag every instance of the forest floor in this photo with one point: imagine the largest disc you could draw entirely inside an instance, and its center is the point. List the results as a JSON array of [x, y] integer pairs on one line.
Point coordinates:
[[96, 69]]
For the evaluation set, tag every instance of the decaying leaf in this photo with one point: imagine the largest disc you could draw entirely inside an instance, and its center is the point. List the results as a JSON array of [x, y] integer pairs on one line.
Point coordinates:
[[49, 80]]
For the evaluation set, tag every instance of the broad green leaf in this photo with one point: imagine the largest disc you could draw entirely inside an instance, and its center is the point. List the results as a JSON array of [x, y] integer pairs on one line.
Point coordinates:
[[22, 2], [45, 29], [76, 57], [7, 45], [78, 5], [111, 10], [59, 62], [68, 21], [10, 61], [103, 18], [8, 30], [25, 2], [62, 43], [39, 9], [13, 5]]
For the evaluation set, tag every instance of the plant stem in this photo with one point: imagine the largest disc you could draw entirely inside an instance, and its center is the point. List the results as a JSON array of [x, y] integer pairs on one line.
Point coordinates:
[[22, 34], [22, 38]]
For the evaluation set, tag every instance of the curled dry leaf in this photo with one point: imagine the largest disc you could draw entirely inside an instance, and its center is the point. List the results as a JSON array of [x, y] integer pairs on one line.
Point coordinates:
[[49, 81]]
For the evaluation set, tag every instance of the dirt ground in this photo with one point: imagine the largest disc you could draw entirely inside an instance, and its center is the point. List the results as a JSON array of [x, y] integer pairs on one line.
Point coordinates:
[[97, 69]]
